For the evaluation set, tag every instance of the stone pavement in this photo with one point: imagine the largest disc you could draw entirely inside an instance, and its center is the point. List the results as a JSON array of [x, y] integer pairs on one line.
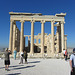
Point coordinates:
[[37, 67]]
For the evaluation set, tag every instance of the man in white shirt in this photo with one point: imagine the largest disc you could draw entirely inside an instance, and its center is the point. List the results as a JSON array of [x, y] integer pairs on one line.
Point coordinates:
[[72, 62]]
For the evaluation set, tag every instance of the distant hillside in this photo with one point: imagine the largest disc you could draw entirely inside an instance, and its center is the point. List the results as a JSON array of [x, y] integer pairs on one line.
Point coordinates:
[[70, 49]]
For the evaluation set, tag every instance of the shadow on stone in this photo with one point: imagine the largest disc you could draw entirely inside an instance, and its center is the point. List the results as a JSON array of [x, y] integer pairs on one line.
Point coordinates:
[[16, 66], [34, 62], [23, 67], [14, 74], [12, 66]]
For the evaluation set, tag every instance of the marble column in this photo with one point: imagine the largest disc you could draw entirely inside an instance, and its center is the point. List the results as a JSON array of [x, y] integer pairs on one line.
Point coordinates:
[[28, 43], [22, 36], [14, 35], [18, 40], [42, 37], [32, 37], [65, 43], [62, 35], [11, 34], [52, 36], [58, 39], [48, 45], [24, 44]]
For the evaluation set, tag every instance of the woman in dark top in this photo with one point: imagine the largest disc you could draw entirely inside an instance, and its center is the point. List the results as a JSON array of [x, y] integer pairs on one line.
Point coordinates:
[[25, 56]]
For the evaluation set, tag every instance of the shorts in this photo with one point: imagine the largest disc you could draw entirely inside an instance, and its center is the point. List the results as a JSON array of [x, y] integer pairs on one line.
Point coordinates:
[[7, 62]]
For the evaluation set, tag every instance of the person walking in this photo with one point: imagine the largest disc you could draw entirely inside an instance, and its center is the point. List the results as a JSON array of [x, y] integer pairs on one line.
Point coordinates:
[[15, 53], [21, 57], [7, 59], [25, 56], [72, 62]]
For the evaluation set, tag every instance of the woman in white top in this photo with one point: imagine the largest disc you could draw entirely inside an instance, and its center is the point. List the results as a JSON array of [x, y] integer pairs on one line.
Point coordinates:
[[21, 57]]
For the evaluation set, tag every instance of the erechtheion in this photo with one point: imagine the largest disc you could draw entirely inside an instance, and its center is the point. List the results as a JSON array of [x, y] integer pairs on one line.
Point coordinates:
[[50, 44]]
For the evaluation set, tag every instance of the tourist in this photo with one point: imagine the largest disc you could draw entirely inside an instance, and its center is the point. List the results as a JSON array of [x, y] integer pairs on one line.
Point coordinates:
[[7, 59], [25, 56], [21, 57], [15, 53], [72, 62], [66, 54]]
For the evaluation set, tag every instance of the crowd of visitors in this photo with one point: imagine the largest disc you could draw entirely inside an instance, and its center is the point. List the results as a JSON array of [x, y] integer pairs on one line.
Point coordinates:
[[24, 55], [65, 53]]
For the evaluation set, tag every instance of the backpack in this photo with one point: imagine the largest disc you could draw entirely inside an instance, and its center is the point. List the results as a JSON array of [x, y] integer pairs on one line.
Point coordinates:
[[65, 52]]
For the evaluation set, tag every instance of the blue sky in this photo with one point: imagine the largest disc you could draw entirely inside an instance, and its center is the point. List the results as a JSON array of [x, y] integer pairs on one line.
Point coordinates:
[[46, 7]]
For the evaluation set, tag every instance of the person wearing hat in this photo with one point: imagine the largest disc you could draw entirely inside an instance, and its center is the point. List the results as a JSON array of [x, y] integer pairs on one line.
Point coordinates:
[[72, 62]]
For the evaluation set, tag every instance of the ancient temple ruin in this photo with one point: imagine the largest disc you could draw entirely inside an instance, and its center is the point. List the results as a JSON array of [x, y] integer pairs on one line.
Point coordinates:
[[50, 44]]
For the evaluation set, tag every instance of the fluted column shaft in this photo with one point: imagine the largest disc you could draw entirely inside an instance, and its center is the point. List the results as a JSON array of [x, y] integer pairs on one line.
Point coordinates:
[[42, 37], [22, 36], [11, 35], [65, 43], [14, 35], [28, 43], [57, 38], [32, 37], [24, 44], [62, 35], [52, 36], [48, 45]]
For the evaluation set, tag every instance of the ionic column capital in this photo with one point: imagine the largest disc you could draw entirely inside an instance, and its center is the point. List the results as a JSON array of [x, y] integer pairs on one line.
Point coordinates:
[[11, 20], [42, 21], [52, 21], [28, 37], [14, 22], [62, 22], [65, 38], [22, 21], [32, 21]]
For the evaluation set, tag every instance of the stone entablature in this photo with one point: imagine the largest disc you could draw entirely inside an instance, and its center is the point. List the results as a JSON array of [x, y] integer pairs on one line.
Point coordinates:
[[37, 17]]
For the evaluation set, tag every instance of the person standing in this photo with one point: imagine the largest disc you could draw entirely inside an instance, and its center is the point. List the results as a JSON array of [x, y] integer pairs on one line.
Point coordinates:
[[7, 59], [15, 53], [25, 56], [66, 54], [72, 62], [21, 57]]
